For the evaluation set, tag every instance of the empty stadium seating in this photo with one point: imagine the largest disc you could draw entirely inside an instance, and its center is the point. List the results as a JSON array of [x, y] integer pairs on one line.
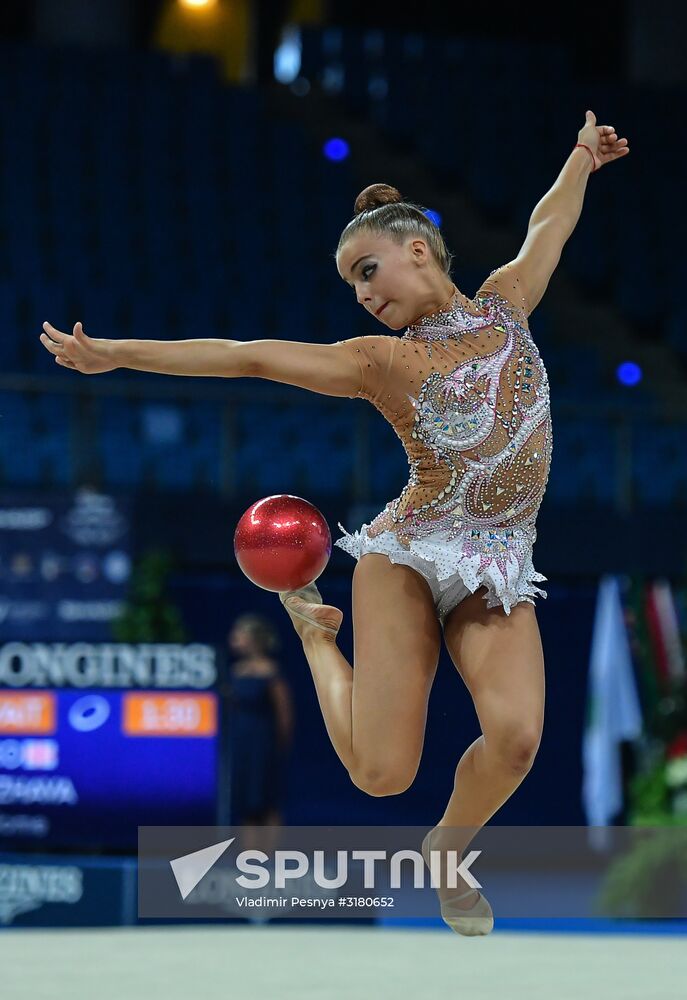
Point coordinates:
[[153, 202]]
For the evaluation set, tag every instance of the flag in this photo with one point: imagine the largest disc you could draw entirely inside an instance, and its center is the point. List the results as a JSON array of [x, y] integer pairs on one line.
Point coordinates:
[[664, 630], [613, 712]]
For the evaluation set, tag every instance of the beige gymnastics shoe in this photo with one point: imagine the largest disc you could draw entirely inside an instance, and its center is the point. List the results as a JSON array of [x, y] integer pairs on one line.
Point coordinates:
[[328, 621], [476, 920]]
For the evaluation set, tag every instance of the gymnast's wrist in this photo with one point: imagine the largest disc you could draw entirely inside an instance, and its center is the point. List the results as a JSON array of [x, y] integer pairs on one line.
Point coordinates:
[[119, 352], [587, 151]]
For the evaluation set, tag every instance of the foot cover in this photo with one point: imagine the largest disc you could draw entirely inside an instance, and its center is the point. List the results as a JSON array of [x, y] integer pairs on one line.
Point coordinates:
[[477, 920], [310, 595]]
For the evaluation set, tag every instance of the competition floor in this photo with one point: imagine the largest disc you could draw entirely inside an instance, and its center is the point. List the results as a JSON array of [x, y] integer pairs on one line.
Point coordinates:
[[256, 963]]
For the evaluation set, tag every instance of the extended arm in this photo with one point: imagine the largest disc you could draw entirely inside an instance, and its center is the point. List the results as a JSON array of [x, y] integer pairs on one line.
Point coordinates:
[[563, 201], [326, 368], [93, 355], [208, 357], [554, 217], [551, 224]]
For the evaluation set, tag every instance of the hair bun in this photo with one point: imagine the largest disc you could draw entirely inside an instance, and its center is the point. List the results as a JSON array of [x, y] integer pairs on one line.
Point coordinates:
[[375, 196]]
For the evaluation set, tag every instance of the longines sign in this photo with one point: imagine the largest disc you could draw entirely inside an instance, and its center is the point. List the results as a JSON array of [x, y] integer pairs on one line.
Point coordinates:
[[28, 887], [107, 665]]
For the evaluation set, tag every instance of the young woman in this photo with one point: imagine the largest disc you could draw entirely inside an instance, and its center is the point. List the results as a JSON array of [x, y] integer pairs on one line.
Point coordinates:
[[260, 724], [467, 393]]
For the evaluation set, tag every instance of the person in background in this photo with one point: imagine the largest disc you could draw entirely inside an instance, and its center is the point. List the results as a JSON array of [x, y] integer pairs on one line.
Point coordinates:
[[260, 723]]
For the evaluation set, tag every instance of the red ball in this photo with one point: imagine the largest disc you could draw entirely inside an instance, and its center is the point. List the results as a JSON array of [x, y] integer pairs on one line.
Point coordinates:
[[282, 543]]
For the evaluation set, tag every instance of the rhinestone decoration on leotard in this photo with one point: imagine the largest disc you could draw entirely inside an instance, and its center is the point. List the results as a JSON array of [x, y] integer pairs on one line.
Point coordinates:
[[487, 422], [444, 322]]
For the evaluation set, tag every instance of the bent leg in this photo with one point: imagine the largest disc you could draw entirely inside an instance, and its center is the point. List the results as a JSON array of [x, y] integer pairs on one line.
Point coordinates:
[[501, 661], [375, 714]]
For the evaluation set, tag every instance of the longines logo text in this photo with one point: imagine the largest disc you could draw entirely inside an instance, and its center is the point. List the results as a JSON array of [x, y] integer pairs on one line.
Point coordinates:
[[105, 665], [27, 887]]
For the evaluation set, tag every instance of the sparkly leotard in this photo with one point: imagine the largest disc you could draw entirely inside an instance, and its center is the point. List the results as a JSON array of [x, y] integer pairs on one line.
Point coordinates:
[[466, 391]]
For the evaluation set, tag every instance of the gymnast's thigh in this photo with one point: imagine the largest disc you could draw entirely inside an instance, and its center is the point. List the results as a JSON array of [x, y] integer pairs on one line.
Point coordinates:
[[501, 660], [397, 641]]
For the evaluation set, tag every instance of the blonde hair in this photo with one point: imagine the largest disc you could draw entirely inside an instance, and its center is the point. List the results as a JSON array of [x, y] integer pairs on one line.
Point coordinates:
[[381, 209]]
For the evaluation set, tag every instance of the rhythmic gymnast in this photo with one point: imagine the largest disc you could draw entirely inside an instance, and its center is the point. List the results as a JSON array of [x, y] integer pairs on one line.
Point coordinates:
[[467, 393]]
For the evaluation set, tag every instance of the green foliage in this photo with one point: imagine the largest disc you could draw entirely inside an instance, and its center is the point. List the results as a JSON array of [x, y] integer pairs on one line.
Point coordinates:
[[149, 615], [649, 794], [650, 880]]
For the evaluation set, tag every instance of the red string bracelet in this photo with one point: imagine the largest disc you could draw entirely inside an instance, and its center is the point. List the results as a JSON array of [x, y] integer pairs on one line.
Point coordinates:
[[589, 151]]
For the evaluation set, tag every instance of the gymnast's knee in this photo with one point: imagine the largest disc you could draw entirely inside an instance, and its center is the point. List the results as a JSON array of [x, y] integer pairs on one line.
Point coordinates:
[[517, 749], [378, 782]]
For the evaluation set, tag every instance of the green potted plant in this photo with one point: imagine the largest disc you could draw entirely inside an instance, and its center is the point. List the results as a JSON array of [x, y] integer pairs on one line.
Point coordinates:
[[149, 615]]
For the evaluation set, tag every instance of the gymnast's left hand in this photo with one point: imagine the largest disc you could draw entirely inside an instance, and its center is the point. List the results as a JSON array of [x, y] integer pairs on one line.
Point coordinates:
[[89, 355], [602, 140]]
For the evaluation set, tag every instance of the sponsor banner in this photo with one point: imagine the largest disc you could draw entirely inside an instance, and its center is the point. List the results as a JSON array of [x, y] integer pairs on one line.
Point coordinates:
[[45, 891], [108, 665]]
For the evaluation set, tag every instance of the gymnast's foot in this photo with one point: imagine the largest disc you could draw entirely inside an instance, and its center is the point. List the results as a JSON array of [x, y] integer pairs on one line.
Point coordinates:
[[309, 615], [465, 910]]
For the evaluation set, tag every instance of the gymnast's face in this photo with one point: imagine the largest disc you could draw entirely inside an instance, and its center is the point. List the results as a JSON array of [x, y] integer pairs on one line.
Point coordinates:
[[402, 280]]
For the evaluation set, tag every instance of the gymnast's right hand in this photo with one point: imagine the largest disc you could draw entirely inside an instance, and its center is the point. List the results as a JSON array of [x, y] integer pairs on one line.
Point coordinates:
[[84, 354]]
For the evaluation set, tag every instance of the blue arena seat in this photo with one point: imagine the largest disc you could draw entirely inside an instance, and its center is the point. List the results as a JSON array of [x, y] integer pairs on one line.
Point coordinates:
[[11, 337], [660, 463], [36, 439], [582, 463]]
